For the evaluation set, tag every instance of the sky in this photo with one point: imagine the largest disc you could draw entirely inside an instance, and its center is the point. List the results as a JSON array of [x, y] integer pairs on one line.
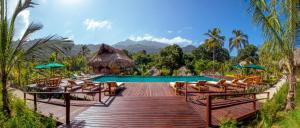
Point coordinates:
[[180, 22]]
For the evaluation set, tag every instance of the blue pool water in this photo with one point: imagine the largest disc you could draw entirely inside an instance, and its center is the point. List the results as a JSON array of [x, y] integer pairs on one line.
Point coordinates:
[[152, 78]]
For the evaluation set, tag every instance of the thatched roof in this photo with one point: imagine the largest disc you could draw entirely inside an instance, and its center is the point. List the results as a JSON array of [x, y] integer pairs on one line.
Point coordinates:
[[108, 56], [297, 57]]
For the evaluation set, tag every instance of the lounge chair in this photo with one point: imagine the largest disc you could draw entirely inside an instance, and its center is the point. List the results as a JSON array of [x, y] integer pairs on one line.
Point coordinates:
[[41, 82], [114, 86], [53, 83], [257, 80], [246, 82], [88, 85], [177, 86], [200, 86], [220, 84], [72, 85]]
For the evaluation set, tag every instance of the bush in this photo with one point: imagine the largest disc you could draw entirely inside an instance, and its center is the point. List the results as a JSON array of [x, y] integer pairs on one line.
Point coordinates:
[[228, 123], [23, 117], [268, 113]]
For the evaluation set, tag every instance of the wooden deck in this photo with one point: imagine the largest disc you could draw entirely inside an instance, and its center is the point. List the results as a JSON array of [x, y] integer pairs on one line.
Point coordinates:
[[156, 105]]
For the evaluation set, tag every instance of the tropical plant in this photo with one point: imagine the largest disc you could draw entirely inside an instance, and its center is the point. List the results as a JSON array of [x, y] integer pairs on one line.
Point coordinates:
[[13, 52], [84, 50], [239, 40], [214, 40], [171, 57], [279, 20], [249, 54]]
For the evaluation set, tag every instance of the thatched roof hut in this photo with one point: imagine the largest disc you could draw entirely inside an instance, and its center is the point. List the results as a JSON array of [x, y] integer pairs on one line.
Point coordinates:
[[109, 60]]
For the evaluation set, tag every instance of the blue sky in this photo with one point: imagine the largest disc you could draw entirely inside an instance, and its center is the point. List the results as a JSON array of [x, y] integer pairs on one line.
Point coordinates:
[[168, 21]]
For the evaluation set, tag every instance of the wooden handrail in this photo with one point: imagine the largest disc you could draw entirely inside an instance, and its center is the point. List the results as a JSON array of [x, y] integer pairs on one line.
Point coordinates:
[[66, 98]]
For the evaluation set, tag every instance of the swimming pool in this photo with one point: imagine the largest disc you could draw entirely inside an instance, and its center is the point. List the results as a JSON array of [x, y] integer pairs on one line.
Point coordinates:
[[152, 78]]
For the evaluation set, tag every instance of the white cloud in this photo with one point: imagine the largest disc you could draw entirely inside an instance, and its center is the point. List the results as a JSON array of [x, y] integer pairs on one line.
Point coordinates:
[[169, 31], [176, 40], [92, 24]]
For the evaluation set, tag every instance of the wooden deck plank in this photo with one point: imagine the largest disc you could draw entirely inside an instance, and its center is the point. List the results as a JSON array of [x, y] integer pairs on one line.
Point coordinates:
[[146, 105]]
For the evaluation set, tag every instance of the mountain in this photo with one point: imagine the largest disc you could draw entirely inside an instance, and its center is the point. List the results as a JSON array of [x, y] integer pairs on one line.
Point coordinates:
[[134, 46], [188, 48], [92, 47]]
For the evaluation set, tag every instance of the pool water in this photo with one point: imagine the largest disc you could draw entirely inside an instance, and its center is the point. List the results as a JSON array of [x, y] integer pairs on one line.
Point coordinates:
[[152, 78]]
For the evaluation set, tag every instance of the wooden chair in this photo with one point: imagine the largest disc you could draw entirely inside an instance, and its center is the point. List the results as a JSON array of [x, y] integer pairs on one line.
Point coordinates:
[[177, 86], [53, 83], [72, 85], [246, 82], [88, 86], [41, 82], [113, 87], [220, 84], [200, 86]]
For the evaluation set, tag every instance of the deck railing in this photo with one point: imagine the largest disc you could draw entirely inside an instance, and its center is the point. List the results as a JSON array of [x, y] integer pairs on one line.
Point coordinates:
[[211, 94], [67, 99]]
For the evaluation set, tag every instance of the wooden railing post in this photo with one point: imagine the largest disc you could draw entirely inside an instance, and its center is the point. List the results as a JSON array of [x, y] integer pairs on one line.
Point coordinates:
[[225, 90], [67, 101], [35, 102], [25, 97], [254, 101], [100, 92], [186, 93], [208, 111]]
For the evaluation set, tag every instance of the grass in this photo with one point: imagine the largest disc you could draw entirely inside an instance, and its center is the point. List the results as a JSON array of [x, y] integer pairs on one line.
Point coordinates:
[[290, 119]]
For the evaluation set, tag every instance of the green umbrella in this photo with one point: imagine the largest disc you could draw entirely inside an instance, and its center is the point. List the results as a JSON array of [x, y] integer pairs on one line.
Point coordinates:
[[42, 66], [54, 65], [237, 66], [254, 66]]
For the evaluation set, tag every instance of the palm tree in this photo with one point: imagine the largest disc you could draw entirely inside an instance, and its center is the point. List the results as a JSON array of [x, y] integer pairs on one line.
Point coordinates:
[[239, 40], [214, 41], [84, 50], [279, 21], [13, 52]]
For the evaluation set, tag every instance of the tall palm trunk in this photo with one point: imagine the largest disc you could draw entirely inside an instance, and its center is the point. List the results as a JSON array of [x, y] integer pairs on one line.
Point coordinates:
[[5, 99], [292, 85], [214, 50]]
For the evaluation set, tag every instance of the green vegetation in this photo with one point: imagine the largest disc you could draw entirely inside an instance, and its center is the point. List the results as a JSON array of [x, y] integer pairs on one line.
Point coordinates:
[[23, 117], [291, 118], [279, 23], [228, 123]]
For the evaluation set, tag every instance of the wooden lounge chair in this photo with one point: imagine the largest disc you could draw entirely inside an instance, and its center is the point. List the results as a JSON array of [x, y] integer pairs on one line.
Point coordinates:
[[90, 86], [72, 85], [177, 86], [53, 83], [113, 87], [220, 84], [41, 82], [214, 83], [200, 86], [257, 80], [246, 82]]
